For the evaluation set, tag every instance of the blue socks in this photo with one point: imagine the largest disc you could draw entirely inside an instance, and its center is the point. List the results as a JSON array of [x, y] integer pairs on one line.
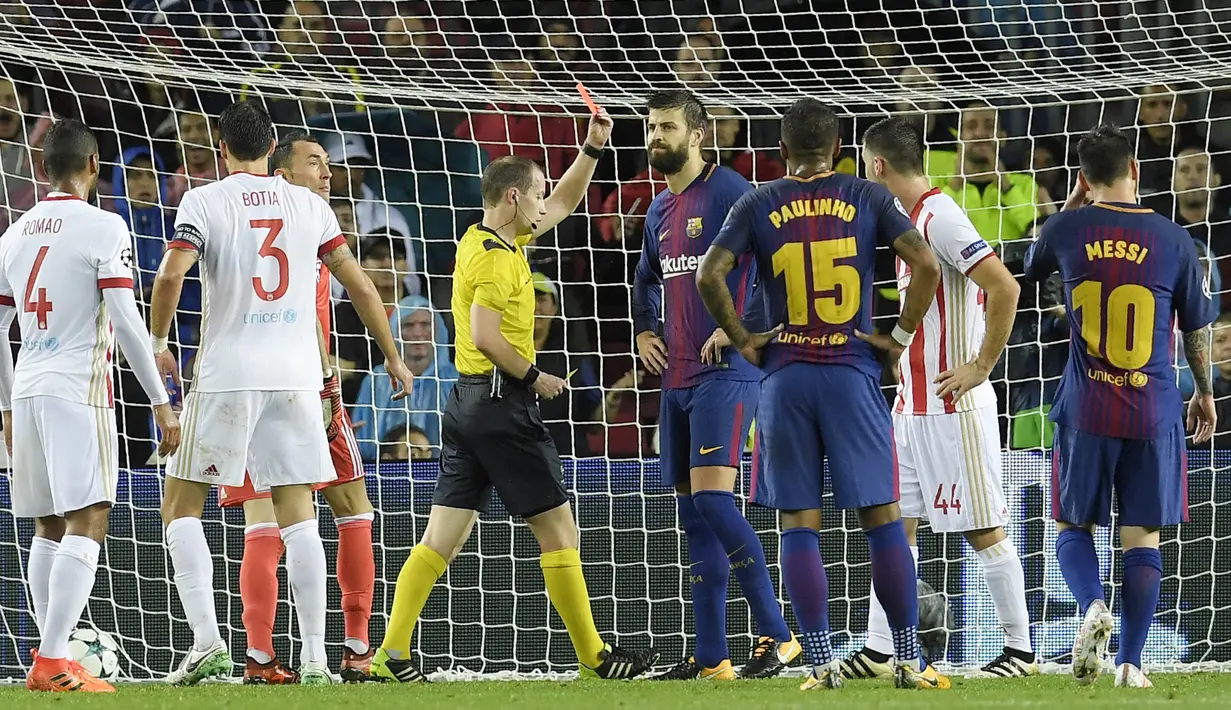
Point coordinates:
[[708, 572], [1143, 573], [803, 573], [747, 559], [893, 578], [1079, 565]]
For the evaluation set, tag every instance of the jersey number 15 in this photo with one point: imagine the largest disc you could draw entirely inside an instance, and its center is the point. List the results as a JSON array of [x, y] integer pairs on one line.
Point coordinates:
[[827, 275], [272, 227]]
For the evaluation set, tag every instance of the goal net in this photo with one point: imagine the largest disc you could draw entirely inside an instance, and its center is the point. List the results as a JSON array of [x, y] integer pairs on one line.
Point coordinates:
[[412, 99]]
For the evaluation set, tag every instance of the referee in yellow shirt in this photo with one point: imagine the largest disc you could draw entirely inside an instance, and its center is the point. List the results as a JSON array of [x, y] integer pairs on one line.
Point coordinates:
[[492, 434]]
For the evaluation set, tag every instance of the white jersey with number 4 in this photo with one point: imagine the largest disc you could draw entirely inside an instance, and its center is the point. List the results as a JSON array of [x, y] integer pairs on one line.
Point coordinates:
[[54, 264], [259, 239], [952, 330]]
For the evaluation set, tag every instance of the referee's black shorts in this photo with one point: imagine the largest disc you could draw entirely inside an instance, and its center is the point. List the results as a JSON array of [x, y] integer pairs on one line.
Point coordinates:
[[497, 441]]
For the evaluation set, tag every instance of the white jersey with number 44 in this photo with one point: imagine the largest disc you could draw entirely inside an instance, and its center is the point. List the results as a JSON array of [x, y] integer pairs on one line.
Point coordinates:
[[259, 238], [952, 330], [54, 263]]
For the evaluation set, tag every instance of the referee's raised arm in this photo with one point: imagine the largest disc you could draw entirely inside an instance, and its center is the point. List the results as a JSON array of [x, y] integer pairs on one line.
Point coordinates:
[[571, 188]]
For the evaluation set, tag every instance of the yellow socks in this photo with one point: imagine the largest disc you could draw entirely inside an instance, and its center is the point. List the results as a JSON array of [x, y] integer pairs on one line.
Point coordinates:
[[415, 582], [566, 587]]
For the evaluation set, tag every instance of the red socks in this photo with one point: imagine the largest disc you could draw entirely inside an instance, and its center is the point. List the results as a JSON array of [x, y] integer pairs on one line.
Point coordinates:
[[356, 577], [258, 585]]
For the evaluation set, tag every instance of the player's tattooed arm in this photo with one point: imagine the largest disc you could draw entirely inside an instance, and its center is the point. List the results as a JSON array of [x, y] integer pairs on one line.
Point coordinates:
[[924, 278], [712, 286], [1197, 352], [337, 258]]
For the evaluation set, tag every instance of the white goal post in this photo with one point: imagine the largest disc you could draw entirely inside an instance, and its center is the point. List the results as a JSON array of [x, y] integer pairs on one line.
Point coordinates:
[[420, 95]]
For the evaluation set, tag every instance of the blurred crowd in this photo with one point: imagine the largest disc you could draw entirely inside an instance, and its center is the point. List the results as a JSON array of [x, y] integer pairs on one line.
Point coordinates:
[[404, 169]]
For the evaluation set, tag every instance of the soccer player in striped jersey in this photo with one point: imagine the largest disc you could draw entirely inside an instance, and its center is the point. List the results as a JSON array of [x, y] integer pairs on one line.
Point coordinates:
[[944, 420], [1131, 276], [708, 403], [300, 160], [814, 235], [71, 265]]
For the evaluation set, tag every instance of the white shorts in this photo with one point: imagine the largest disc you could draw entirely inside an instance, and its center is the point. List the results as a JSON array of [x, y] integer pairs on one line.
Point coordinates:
[[65, 456], [949, 469], [277, 436]]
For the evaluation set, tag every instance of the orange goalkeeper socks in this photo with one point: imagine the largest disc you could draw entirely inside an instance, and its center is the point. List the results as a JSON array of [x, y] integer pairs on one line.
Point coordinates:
[[414, 586], [566, 587], [258, 585], [356, 577]]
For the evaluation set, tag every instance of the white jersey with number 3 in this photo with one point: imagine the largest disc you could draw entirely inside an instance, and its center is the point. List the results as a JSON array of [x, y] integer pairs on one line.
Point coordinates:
[[952, 330], [259, 239], [54, 264]]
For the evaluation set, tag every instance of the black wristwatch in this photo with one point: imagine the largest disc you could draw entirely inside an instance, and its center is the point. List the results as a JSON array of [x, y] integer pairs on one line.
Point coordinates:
[[531, 375], [591, 151]]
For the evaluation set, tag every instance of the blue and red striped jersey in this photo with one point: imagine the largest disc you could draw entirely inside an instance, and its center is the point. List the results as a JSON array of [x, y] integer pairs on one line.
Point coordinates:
[[815, 242], [1130, 277], [678, 231]]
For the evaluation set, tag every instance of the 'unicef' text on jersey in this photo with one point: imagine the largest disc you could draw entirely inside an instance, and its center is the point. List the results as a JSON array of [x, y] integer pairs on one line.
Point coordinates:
[[814, 241], [1130, 277], [678, 231], [259, 240]]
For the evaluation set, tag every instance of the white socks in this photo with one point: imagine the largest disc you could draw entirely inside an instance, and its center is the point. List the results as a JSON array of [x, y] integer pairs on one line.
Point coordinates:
[[1003, 571], [38, 574], [880, 638], [305, 571], [69, 586], [194, 579]]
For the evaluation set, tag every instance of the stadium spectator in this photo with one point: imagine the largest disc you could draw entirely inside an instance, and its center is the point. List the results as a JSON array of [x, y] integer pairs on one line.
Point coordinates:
[[699, 61], [349, 160], [424, 342], [304, 37], [561, 54], [938, 126], [880, 53], [568, 418], [140, 193], [727, 148], [1220, 353], [1001, 204], [1034, 360], [221, 29], [200, 161], [384, 261], [406, 42], [1047, 159], [1159, 136], [407, 443], [1192, 201], [16, 122]]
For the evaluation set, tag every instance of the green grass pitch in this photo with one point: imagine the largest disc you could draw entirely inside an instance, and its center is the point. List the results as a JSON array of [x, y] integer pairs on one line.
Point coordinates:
[[1170, 691]]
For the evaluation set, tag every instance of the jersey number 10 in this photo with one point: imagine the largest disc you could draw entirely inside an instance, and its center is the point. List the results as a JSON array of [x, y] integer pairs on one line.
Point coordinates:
[[841, 279], [272, 227], [1129, 343]]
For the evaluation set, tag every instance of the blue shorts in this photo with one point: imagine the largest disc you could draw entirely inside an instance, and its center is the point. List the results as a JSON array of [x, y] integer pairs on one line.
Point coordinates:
[[704, 425], [809, 412], [1149, 477]]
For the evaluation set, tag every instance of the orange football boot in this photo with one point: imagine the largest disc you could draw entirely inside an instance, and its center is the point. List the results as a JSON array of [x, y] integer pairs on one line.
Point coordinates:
[[59, 675]]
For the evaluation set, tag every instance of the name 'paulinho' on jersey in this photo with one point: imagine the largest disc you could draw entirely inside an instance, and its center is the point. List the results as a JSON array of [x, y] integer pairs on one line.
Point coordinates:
[[259, 238], [815, 241], [678, 231], [1130, 277], [54, 264]]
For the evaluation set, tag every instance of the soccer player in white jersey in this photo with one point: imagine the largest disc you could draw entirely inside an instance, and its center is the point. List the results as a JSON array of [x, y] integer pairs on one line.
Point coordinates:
[[944, 417], [255, 397], [70, 264]]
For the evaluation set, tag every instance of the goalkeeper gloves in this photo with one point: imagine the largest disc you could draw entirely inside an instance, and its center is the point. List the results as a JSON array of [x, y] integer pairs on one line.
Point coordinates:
[[331, 406]]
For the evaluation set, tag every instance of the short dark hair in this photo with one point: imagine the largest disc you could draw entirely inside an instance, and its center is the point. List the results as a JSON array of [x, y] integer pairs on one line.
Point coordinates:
[[246, 129], [809, 126], [504, 173], [67, 148], [899, 142], [342, 201], [281, 157], [1104, 154], [694, 109], [377, 246]]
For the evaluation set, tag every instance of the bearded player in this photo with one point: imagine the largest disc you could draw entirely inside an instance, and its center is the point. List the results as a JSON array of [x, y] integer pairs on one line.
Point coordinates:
[[1131, 277], [302, 161], [944, 419], [708, 402], [255, 399]]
